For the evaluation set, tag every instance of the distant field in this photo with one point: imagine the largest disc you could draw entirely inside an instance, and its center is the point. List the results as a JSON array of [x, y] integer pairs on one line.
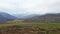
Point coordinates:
[[41, 25]]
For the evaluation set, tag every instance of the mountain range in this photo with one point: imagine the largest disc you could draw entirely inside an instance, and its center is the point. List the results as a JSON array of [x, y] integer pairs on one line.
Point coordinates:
[[4, 17], [22, 16], [47, 18]]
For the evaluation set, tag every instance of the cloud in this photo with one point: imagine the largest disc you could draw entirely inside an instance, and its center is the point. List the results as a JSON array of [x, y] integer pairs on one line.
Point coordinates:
[[31, 6], [41, 6]]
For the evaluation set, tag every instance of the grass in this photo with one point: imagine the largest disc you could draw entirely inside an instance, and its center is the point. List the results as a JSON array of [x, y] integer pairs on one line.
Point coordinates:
[[46, 26], [41, 25]]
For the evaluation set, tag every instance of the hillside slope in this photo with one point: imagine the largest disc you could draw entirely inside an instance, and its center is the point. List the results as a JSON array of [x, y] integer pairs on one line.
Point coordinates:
[[6, 17], [47, 18]]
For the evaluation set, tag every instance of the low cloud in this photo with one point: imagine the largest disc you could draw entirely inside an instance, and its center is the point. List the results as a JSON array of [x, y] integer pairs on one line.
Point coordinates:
[[31, 6]]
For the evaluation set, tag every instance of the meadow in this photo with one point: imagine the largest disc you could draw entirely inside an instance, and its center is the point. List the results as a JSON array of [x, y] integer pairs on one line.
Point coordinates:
[[41, 25], [45, 28]]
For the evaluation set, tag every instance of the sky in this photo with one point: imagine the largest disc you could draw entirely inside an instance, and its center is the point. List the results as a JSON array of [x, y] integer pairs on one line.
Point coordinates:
[[30, 6]]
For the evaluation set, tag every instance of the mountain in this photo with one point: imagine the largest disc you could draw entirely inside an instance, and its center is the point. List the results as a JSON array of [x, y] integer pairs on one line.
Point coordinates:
[[25, 16], [5, 17], [47, 18]]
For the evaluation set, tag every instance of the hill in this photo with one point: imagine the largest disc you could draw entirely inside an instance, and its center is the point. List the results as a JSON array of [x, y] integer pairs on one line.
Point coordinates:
[[5, 17], [47, 18]]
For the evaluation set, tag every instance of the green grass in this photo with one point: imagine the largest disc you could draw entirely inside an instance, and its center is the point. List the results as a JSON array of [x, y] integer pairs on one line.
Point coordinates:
[[41, 25], [46, 26]]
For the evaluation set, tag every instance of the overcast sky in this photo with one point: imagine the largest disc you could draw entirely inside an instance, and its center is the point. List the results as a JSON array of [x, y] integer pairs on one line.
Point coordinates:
[[30, 6]]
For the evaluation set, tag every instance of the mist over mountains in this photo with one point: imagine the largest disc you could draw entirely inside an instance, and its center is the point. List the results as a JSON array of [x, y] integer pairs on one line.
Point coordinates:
[[23, 16], [46, 18]]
